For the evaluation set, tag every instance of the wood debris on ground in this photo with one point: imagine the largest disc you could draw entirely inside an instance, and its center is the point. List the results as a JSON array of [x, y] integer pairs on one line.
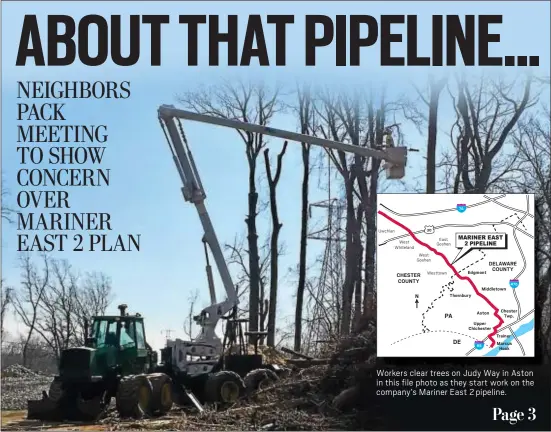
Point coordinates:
[[330, 393]]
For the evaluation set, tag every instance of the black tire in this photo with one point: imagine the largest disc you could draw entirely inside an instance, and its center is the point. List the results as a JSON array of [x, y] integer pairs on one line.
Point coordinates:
[[224, 388], [94, 408], [258, 378], [134, 396], [56, 392], [162, 400]]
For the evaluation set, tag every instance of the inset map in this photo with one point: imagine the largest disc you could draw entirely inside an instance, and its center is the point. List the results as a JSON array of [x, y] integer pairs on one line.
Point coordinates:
[[455, 275]]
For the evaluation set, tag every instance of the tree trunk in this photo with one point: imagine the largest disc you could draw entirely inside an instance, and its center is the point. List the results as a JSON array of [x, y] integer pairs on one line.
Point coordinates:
[[350, 270], [370, 203], [303, 246], [274, 241], [273, 284], [370, 247], [6, 300], [26, 349], [306, 124], [261, 306], [435, 90], [375, 140], [254, 260], [359, 261]]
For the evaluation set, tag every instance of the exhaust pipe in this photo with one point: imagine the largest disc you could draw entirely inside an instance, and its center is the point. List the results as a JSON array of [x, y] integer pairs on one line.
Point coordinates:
[[123, 308]]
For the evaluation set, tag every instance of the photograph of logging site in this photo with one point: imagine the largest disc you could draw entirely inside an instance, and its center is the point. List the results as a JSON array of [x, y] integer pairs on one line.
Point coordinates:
[[271, 248]]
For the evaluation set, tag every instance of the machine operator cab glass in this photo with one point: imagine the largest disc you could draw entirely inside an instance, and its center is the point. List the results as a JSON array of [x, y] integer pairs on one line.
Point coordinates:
[[119, 340]]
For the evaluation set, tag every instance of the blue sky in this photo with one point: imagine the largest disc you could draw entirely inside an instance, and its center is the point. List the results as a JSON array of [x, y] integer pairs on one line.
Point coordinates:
[[144, 196]]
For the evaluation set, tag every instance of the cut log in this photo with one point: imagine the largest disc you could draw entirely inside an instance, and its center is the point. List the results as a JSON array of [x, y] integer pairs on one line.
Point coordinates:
[[296, 353], [300, 363]]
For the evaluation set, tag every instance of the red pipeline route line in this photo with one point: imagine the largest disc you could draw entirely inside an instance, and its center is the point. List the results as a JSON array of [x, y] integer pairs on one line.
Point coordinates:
[[465, 278]]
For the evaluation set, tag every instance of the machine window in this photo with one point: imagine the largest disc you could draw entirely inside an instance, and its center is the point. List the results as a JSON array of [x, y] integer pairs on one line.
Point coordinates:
[[100, 331], [140, 335], [105, 333], [126, 339]]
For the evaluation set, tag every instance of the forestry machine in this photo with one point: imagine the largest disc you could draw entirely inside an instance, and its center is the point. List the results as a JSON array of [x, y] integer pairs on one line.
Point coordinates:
[[207, 358], [116, 360]]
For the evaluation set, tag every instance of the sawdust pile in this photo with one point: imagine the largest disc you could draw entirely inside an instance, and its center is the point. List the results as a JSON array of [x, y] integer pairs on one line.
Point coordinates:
[[19, 371], [19, 384]]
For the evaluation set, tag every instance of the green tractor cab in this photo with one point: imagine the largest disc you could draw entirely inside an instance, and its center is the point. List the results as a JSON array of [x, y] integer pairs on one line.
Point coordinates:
[[115, 361], [116, 343]]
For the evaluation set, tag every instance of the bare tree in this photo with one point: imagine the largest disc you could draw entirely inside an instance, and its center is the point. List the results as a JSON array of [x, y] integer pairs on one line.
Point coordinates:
[[54, 303], [6, 210], [502, 146], [533, 143], [358, 120], [252, 103], [376, 128], [305, 114], [58, 307], [93, 297], [333, 127], [6, 300], [435, 88], [487, 113], [27, 301], [6, 291], [39, 357], [237, 259], [428, 100], [543, 276], [188, 324], [273, 180]]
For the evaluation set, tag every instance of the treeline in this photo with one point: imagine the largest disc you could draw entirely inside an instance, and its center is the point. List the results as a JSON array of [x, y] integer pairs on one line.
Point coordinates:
[[51, 304], [483, 135], [39, 358]]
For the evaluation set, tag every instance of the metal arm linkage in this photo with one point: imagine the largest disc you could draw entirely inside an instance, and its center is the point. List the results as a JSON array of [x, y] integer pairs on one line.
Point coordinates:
[[208, 343], [193, 192], [397, 156]]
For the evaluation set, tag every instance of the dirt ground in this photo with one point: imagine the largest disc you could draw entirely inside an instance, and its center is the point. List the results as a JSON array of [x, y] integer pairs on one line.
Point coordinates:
[[16, 420], [255, 417]]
